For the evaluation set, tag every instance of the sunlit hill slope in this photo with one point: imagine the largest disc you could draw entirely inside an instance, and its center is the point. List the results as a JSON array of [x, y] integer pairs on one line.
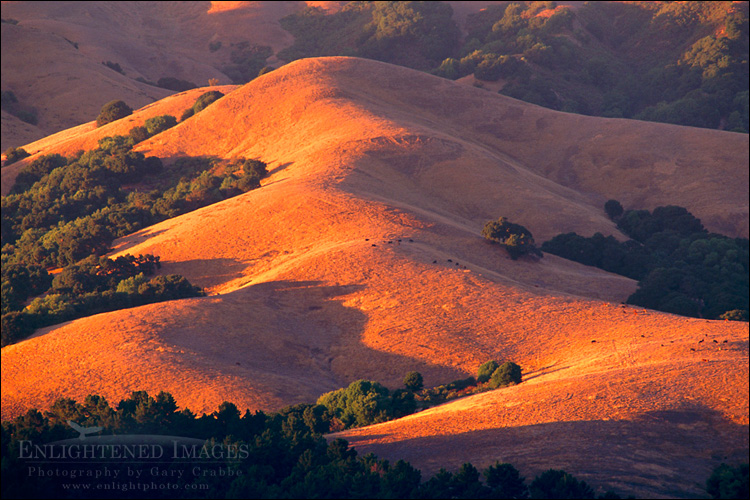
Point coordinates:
[[361, 257]]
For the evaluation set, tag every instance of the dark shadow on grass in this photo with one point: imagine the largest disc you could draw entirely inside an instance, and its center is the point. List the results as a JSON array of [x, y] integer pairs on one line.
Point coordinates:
[[543, 371], [660, 454], [206, 273], [280, 168], [293, 339], [127, 242]]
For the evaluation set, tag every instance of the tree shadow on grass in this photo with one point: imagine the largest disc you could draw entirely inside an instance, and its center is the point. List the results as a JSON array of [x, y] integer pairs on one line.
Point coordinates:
[[206, 273], [543, 371], [294, 340], [127, 242]]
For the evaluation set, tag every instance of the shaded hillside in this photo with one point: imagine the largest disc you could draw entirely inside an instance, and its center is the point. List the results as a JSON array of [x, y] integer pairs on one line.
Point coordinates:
[[361, 257], [612, 426], [61, 47]]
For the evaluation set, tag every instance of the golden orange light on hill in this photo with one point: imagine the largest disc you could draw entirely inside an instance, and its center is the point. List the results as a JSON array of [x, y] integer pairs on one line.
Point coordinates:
[[361, 257]]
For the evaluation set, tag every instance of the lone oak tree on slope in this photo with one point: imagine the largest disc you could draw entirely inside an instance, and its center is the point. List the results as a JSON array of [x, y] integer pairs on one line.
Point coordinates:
[[516, 239]]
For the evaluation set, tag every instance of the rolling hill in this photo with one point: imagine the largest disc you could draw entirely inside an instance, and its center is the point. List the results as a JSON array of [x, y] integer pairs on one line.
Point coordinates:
[[53, 57], [361, 257]]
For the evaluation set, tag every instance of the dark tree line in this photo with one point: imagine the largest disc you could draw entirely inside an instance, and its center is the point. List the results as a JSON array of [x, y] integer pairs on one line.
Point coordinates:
[[91, 286], [599, 59], [681, 267], [65, 213], [279, 455], [276, 455]]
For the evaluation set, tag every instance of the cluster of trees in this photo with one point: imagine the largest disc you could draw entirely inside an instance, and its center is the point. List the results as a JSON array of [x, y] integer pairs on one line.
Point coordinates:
[[113, 66], [284, 455], [365, 402], [727, 481], [498, 375], [12, 155], [65, 212], [599, 59], [414, 34], [111, 111], [201, 103], [681, 267], [247, 62], [515, 238], [91, 286], [172, 83], [62, 209], [604, 64]]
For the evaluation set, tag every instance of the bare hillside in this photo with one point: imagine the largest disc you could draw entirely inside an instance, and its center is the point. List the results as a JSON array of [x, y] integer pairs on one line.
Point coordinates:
[[361, 257], [52, 59]]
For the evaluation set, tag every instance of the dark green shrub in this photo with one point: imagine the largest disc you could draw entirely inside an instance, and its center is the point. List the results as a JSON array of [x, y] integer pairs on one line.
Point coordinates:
[[413, 381], [12, 155], [214, 46], [37, 169], [113, 66], [486, 370], [138, 134], [168, 287], [7, 99], [736, 315], [506, 374], [113, 110], [11, 105], [206, 99], [15, 326], [187, 114], [202, 103], [159, 124], [516, 239], [363, 402], [171, 83], [506, 481], [116, 144], [559, 484], [28, 116], [255, 168], [614, 209], [728, 482], [402, 403]]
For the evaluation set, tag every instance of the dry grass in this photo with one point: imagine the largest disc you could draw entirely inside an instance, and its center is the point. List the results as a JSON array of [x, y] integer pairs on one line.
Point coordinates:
[[69, 85], [311, 287]]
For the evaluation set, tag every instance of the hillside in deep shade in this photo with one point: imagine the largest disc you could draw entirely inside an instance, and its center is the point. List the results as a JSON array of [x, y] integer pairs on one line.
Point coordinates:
[[61, 48], [361, 257]]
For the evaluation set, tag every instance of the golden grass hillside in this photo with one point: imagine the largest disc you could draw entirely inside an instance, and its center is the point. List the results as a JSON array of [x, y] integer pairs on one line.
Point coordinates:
[[361, 257]]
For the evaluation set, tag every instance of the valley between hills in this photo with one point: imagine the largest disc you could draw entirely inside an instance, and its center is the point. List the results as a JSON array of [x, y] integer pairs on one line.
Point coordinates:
[[361, 257]]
